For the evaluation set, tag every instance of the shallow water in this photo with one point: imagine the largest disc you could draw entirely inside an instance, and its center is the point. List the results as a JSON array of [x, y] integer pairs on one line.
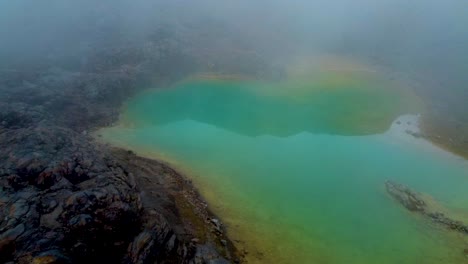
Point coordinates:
[[297, 170]]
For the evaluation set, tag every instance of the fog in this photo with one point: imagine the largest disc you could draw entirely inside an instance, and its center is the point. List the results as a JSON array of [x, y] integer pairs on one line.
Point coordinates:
[[392, 30], [421, 41], [424, 41], [158, 71]]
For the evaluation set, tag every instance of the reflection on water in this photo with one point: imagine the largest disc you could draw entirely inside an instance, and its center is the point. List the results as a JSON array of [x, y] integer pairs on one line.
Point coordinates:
[[288, 179], [358, 106]]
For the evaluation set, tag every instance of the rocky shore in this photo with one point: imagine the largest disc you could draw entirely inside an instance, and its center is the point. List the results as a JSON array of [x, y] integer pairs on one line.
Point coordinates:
[[66, 198]]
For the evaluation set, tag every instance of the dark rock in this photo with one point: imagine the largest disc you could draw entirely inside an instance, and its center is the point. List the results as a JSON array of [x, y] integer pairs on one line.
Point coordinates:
[[217, 224], [12, 234], [142, 248], [414, 202], [7, 241], [65, 197], [47, 204], [51, 257], [80, 221], [51, 220], [207, 253], [19, 209], [405, 196]]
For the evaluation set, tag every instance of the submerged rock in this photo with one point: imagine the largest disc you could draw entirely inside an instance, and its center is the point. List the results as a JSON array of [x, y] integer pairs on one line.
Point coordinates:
[[405, 196], [414, 202]]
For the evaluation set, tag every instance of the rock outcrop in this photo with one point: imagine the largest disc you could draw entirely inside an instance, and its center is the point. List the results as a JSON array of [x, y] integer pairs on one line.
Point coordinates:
[[65, 198], [415, 202], [407, 197], [62, 194]]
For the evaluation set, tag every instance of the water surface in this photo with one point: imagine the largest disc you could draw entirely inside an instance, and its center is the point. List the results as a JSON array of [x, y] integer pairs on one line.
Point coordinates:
[[296, 169]]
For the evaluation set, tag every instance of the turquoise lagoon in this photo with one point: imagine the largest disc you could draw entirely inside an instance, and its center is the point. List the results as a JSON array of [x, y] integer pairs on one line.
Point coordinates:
[[296, 170]]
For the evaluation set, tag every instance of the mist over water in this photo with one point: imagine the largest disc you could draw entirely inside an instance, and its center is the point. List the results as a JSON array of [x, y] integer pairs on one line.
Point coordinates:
[[281, 112], [297, 184]]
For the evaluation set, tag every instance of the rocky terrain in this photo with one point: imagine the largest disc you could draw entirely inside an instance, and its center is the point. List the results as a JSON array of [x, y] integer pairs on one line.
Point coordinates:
[[66, 198]]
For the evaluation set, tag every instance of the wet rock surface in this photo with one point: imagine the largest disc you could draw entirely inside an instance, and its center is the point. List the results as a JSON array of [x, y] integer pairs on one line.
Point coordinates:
[[415, 202]]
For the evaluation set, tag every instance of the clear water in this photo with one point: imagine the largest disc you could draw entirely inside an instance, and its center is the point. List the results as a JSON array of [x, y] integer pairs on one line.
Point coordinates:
[[297, 170]]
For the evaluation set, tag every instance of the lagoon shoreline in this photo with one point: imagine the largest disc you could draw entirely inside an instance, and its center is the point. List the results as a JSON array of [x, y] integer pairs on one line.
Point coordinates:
[[65, 197], [405, 128], [74, 187]]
